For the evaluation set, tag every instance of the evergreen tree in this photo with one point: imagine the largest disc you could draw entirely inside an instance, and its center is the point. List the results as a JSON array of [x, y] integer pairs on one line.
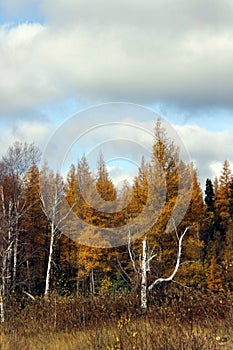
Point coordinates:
[[214, 278], [210, 215], [222, 200], [209, 196], [104, 185], [231, 200], [34, 234]]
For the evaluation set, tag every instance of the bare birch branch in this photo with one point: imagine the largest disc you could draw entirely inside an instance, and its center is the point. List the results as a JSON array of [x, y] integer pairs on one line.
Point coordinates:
[[170, 278], [151, 258], [122, 269], [180, 284], [130, 255], [29, 295], [175, 228]]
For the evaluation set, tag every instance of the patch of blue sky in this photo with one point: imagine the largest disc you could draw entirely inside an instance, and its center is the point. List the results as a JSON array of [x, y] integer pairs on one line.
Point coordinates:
[[169, 113], [62, 110], [58, 112], [215, 119], [211, 118], [14, 12]]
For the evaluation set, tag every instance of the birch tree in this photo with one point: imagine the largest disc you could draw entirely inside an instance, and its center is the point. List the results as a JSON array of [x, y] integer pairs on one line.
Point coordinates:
[[52, 201], [13, 168], [170, 198], [145, 260]]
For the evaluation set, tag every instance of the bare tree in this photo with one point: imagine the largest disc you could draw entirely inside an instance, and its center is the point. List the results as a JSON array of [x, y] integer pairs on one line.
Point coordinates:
[[145, 259], [19, 158], [52, 201], [13, 169]]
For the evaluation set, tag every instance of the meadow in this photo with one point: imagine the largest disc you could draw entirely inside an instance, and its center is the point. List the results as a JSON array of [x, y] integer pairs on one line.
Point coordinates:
[[184, 320]]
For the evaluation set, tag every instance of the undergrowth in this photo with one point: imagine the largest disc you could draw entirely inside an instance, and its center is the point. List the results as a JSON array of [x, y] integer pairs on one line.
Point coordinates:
[[115, 322]]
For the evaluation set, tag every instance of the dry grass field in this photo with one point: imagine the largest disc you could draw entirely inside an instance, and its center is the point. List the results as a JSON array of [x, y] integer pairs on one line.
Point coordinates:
[[186, 322]]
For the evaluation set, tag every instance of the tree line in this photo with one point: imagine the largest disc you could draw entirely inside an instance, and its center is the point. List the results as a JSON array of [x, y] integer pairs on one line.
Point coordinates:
[[36, 257]]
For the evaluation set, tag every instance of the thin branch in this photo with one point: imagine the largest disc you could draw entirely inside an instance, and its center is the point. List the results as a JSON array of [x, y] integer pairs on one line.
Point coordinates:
[[123, 277], [152, 251], [29, 295], [175, 228], [151, 258], [182, 285], [130, 255], [188, 262], [122, 269]]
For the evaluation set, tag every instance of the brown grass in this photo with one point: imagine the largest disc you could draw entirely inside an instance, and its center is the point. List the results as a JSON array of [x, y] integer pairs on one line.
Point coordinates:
[[175, 322]]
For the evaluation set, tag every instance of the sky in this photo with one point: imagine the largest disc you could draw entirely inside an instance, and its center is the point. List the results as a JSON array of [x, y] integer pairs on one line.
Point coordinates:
[[174, 57]]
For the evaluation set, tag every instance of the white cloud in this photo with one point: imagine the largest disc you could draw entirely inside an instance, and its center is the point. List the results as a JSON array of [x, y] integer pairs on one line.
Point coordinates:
[[175, 51], [208, 149], [25, 131], [178, 14], [33, 132], [118, 174]]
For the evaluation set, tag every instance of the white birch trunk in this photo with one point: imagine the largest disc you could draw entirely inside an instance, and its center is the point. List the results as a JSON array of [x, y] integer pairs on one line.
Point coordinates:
[[6, 253], [92, 282], [16, 243], [52, 197], [2, 313], [3, 286], [144, 275], [9, 259], [146, 258], [47, 281], [15, 254], [10, 246]]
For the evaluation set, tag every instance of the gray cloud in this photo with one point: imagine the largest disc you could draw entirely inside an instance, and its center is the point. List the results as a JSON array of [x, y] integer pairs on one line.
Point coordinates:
[[170, 16], [179, 52], [208, 149], [34, 131]]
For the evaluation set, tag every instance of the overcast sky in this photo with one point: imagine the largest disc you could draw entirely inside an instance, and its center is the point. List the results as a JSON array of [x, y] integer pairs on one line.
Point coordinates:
[[173, 56]]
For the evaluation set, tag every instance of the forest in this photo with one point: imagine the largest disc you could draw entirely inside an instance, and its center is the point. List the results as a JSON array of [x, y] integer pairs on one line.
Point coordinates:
[[63, 275]]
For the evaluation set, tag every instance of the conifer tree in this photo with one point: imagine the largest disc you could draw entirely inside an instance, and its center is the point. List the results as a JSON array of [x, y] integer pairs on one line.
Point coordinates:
[[104, 185], [192, 273], [222, 200], [34, 234], [209, 196], [227, 248], [209, 231], [231, 200], [214, 278], [165, 173]]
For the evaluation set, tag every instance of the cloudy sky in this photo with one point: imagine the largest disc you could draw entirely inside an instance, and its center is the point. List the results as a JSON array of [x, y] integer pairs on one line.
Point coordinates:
[[175, 57]]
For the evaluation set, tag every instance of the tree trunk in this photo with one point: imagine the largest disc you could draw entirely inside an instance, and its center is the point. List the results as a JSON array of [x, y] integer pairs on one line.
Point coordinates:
[[78, 285], [2, 314], [47, 281], [15, 255], [144, 276], [92, 282]]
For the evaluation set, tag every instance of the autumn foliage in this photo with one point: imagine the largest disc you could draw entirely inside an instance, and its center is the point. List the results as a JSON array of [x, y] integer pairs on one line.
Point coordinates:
[[80, 267]]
